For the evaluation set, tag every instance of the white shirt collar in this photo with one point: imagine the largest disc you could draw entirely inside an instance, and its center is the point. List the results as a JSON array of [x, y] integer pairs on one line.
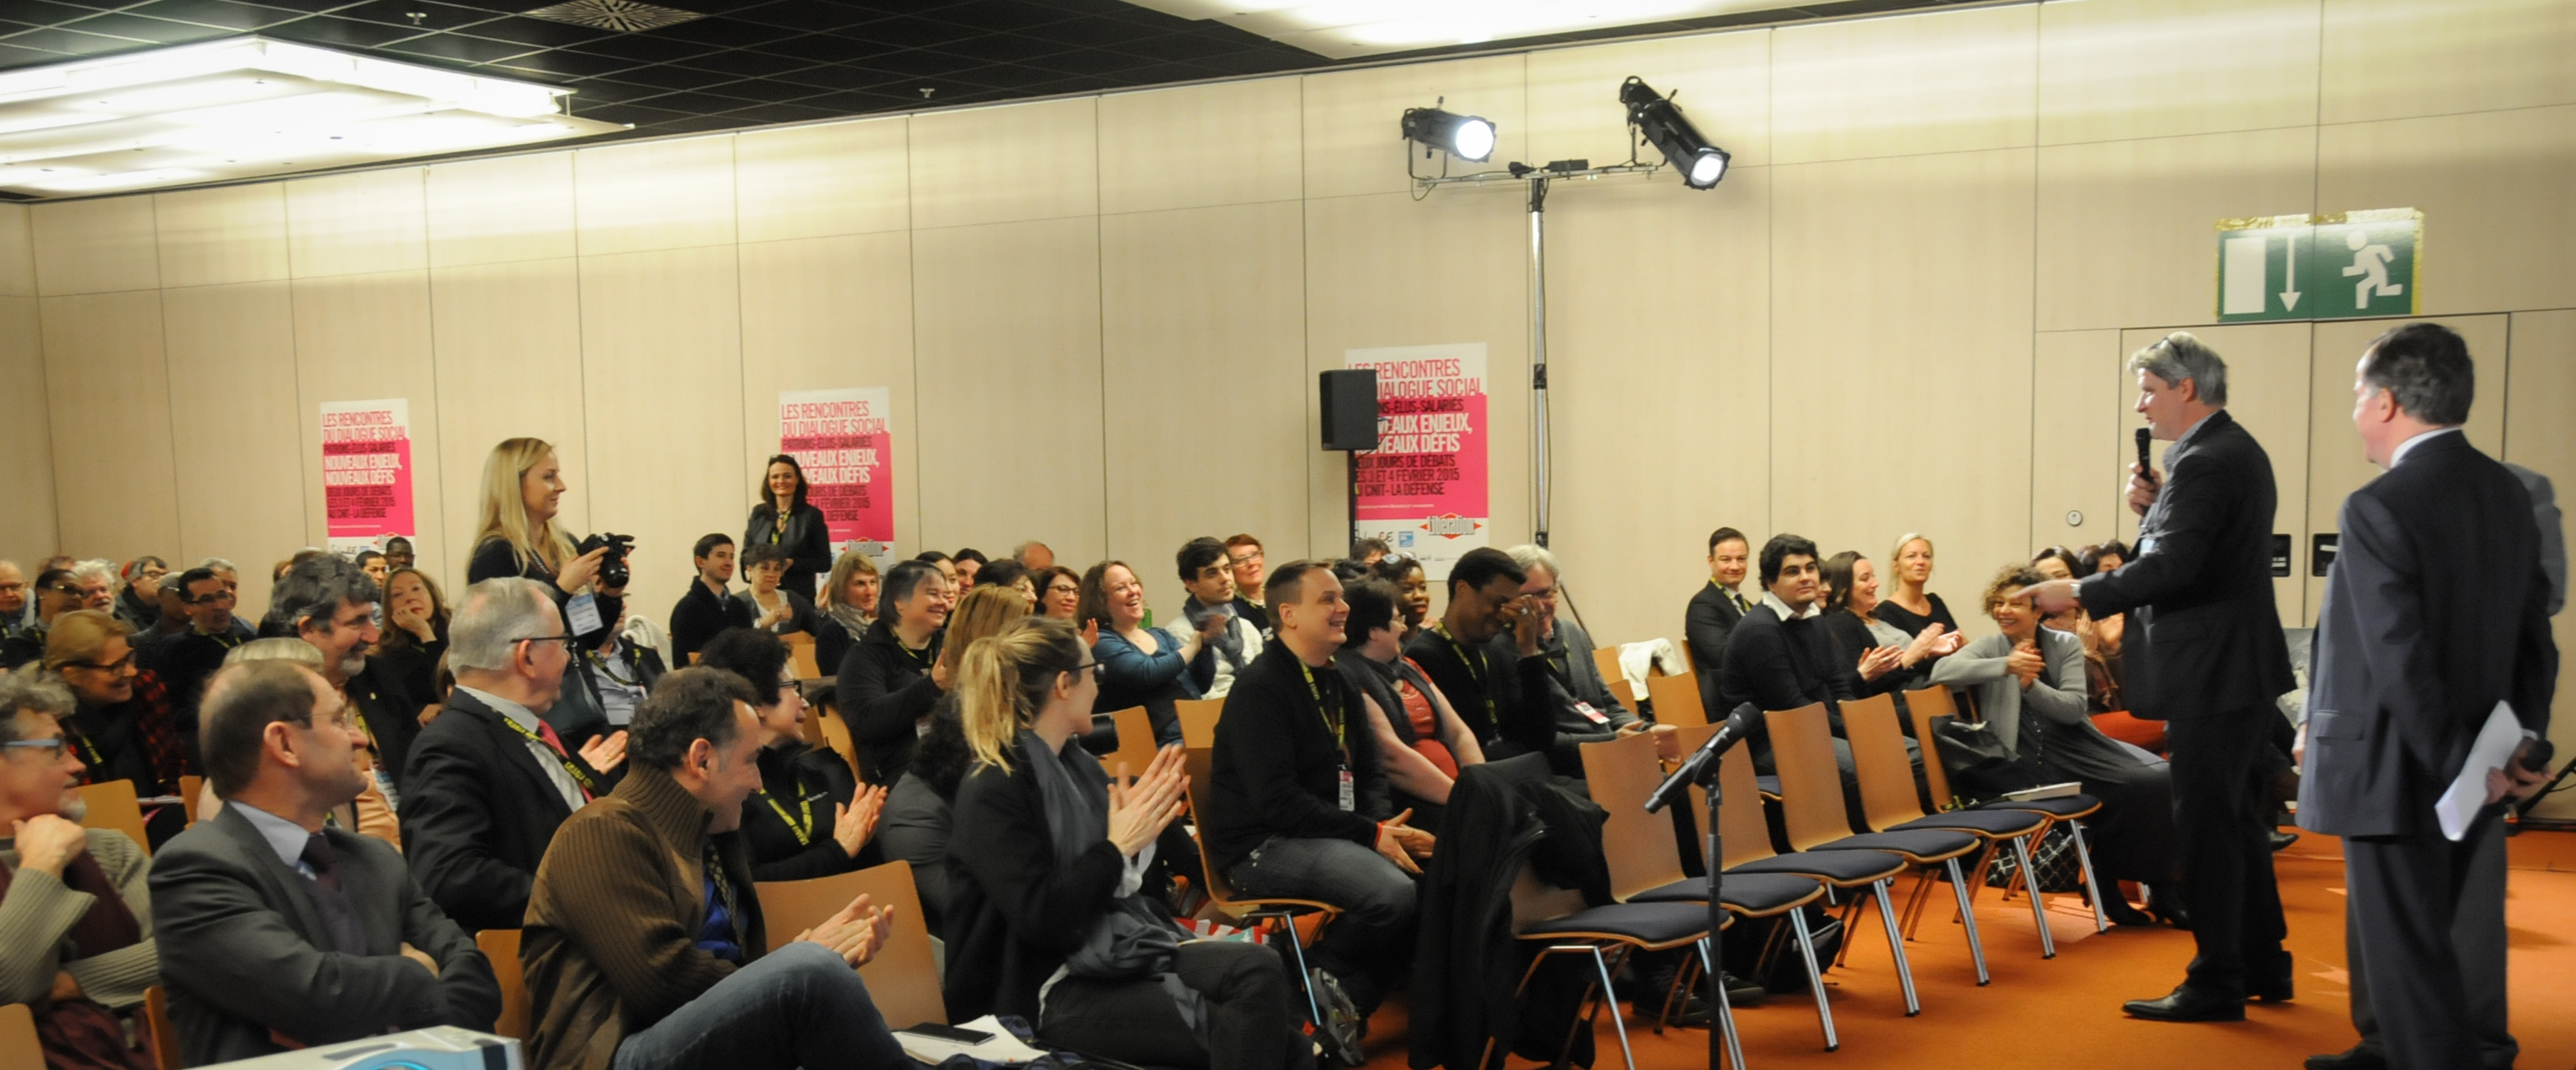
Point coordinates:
[[1782, 608], [526, 718], [284, 837], [2398, 456]]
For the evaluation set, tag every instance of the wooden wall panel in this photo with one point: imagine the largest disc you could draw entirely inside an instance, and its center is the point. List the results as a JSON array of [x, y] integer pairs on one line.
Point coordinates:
[[1660, 388], [224, 235], [1006, 344], [17, 252], [100, 246], [2125, 226], [818, 181], [2268, 375], [1201, 145], [2079, 438], [107, 392], [27, 532], [358, 223], [1942, 82], [358, 338], [234, 410], [507, 339], [1203, 342], [2493, 188], [2538, 436], [1353, 139], [1721, 81], [661, 343], [501, 209], [2158, 68], [997, 165], [2389, 59], [655, 195]]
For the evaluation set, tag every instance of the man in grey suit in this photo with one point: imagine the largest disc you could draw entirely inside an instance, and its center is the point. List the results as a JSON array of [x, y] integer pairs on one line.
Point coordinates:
[[278, 932], [2436, 609]]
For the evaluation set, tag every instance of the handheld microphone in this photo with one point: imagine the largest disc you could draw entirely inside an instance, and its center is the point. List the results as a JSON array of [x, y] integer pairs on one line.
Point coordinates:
[[2144, 437], [1737, 726]]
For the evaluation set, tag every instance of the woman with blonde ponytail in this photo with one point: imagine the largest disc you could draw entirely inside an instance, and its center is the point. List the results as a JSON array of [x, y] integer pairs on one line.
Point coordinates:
[[1046, 865]]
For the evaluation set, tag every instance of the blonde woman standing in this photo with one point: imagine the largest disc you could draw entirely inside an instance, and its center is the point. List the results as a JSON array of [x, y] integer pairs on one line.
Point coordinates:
[[523, 490]]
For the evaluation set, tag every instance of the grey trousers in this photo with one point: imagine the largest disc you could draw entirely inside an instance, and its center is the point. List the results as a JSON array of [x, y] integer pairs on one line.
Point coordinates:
[[2477, 933]]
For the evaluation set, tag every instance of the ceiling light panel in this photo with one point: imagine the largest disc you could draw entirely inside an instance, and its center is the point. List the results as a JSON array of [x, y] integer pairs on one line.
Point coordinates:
[[251, 108], [1348, 29]]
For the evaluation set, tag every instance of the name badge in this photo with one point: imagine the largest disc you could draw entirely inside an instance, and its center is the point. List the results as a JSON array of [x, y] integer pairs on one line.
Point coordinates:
[[582, 615], [1595, 716], [1350, 792]]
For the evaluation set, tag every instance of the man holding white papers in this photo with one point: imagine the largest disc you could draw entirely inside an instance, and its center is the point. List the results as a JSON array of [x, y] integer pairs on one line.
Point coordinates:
[[2436, 610]]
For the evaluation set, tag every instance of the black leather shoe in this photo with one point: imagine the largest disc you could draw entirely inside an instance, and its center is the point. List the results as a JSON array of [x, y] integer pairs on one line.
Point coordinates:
[[2358, 1058], [2187, 1004], [2168, 909], [2280, 989], [2119, 912], [2282, 839]]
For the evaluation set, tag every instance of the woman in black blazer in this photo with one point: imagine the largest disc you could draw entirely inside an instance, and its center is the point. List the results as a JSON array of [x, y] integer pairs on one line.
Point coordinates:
[[523, 488], [1045, 873], [786, 520], [810, 817]]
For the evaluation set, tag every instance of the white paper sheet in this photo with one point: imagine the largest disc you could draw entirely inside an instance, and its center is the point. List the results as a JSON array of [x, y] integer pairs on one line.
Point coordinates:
[[1003, 1048], [2468, 794]]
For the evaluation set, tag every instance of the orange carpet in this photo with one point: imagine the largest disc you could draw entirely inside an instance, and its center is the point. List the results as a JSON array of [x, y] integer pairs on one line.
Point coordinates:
[[2066, 1011]]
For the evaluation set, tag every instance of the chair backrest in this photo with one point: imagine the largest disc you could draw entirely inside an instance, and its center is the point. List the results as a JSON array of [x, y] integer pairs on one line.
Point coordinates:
[[1924, 705], [1606, 660], [1198, 721], [1878, 757], [800, 655], [1135, 741], [1676, 700], [112, 805], [1218, 888], [20, 1048], [190, 787], [1811, 784], [1640, 846], [836, 733], [1740, 821], [904, 977], [502, 947], [164, 1041]]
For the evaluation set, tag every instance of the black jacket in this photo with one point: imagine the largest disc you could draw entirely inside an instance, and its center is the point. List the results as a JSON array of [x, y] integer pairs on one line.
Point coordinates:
[[1501, 695], [884, 691], [1781, 665], [698, 616], [1851, 636], [390, 715], [2436, 608], [493, 558], [1705, 627], [2206, 638], [1013, 913], [800, 611], [478, 814], [1574, 681], [800, 786], [1276, 770], [808, 540], [1251, 610], [832, 641]]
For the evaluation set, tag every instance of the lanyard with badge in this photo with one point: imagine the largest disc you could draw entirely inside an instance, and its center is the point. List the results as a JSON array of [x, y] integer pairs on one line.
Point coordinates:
[[1338, 723], [588, 788], [804, 828], [1475, 668]]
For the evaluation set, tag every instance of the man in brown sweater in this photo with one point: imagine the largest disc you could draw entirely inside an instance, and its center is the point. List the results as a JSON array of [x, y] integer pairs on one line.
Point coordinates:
[[643, 945]]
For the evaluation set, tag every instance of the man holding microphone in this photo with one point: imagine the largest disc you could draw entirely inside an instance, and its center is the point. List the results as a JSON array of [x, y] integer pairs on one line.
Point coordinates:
[[2204, 654]]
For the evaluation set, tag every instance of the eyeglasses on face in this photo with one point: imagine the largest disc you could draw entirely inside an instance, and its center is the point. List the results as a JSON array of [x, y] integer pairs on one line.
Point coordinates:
[[65, 588], [210, 599], [119, 665], [50, 750]]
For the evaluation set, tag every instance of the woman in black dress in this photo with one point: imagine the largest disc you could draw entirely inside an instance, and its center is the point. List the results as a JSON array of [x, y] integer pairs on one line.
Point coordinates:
[[1907, 606], [810, 818], [784, 519]]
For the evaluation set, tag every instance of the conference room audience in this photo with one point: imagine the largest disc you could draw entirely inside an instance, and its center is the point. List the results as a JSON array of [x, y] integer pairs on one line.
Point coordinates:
[[888, 682], [374, 565], [2101, 686], [947, 567], [75, 917], [1139, 666], [1368, 552], [809, 817], [1049, 921], [415, 636], [1413, 591], [523, 490], [1714, 610], [277, 931], [1908, 605], [1421, 740], [1580, 706], [774, 608], [490, 780], [138, 597], [1059, 593], [1245, 554], [56, 594], [331, 605], [1008, 573], [708, 606], [1484, 654], [170, 617], [121, 721], [1298, 804], [787, 522], [845, 608], [1209, 579], [2028, 683], [370, 813], [1861, 639], [645, 947]]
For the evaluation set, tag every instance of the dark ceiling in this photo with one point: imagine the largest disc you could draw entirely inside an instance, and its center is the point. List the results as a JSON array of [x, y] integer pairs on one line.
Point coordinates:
[[753, 62]]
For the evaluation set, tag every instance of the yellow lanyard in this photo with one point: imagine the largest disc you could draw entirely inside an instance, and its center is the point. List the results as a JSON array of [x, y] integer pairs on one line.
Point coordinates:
[[804, 830], [97, 762], [1336, 724], [588, 789], [1475, 666]]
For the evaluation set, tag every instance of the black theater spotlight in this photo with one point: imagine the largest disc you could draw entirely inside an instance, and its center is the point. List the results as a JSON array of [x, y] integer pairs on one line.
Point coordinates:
[[1467, 137], [1662, 124]]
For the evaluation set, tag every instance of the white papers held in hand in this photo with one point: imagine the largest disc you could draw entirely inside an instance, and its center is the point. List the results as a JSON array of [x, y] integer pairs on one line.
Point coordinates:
[[2468, 795]]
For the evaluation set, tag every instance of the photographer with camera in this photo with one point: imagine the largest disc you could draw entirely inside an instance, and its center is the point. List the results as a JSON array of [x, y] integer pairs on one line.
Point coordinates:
[[523, 489]]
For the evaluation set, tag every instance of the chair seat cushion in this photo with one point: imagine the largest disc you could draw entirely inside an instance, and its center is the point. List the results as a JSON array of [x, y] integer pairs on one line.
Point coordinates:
[[1751, 893], [1913, 843], [2000, 823], [1767, 785], [1644, 923], [2076, 805], [1832, 867]]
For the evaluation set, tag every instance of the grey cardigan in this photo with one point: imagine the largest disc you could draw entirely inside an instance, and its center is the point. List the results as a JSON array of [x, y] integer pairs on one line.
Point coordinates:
[[36, 919], [2058, 693]]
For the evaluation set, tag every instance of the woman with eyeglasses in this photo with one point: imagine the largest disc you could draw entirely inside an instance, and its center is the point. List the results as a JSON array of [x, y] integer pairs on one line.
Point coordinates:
[[122, 724], [1059, 592], [784, 519], [809, 818]]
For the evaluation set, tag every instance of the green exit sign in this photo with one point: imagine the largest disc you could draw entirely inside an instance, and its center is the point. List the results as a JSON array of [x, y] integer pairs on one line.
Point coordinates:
[[2313, 267]]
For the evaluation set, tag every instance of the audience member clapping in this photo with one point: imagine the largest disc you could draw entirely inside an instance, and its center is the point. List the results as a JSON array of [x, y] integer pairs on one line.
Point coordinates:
[[809, 817], [1907, 605], [1884, 660], [1209, 579], [1139, 666]]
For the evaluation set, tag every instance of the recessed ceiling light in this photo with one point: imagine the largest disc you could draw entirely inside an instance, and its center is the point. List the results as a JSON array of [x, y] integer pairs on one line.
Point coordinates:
[[623, 16], [1343, 29], [249, 105]]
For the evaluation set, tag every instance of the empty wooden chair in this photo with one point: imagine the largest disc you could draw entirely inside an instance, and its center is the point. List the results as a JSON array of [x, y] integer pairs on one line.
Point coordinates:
[[112, 805], [1198, 721], [1135, 742], [502, 947], [836, 734], [1889, 804], [190, 788], [20, 1048], [903, 978], [1676, 700]]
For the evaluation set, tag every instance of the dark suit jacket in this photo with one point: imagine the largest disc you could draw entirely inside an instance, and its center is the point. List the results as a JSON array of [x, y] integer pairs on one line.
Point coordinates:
[[2436, 608], [807, 540], [242, 947], [1780, 665], [698, 616], [478, 814], [2204, 638], [1711, 618]]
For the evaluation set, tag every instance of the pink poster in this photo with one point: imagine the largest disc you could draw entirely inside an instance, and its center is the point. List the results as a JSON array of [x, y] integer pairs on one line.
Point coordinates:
[[839, 437], [1424, 489], [366, 472]]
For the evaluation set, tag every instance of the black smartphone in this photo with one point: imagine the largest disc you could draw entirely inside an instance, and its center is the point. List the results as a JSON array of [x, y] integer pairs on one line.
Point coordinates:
[[950, 1032]]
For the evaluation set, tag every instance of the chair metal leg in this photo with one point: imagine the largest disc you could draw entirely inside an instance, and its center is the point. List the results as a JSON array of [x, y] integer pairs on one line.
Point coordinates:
[[1976, 945], [2038, 910], [1816, 977], [1297, 951], [1618, 1024], [1895, 948], [1725, 1011], [2084, 857]]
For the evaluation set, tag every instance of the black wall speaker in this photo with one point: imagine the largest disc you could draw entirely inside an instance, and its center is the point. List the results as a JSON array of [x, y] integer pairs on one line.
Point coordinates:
[[1350, 409]]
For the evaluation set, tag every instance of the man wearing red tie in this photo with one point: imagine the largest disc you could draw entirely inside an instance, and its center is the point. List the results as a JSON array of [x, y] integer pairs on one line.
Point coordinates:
[[489, 779]]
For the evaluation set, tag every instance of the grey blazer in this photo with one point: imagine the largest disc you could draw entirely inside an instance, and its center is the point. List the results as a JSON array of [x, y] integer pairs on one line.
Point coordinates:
[[242, 947], [2057, 695]]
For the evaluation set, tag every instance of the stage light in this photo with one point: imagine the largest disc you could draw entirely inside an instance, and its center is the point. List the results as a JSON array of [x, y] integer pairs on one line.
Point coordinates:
[[1661, 121], [1467, 137]]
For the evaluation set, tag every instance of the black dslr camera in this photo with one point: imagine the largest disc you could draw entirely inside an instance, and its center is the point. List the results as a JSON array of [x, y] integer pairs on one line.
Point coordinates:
[[612, 566]]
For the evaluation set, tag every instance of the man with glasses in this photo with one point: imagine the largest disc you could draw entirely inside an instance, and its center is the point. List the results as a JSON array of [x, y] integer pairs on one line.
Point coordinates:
[[1243, 554], [277, 931], [13, 595], [56, 593], [185, 661], [1578, 700], [489, 779]]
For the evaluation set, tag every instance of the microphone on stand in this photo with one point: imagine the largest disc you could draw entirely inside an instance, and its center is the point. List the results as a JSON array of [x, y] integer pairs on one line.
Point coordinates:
[[1737, 726]]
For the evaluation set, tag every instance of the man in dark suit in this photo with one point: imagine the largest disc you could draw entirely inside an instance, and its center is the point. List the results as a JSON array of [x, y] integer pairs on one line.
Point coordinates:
[[490, 779], [708, 607], [2205, 654], [1714, 609], [276, 931], [2437, 608]]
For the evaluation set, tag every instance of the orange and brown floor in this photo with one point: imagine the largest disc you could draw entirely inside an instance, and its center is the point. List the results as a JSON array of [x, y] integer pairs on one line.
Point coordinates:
[[2065, 1012]]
